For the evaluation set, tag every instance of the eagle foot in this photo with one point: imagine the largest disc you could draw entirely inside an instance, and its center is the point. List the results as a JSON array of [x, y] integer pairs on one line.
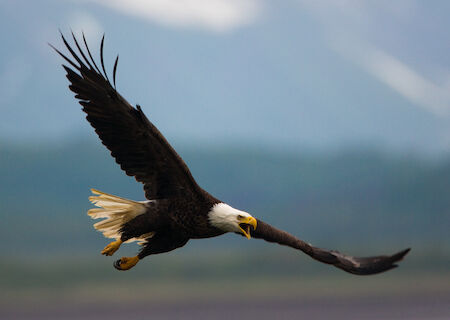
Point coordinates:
[[126, 263], [111, 248]]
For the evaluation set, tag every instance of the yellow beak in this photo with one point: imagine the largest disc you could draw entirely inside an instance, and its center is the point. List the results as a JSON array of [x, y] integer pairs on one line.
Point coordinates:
[[248, 221]]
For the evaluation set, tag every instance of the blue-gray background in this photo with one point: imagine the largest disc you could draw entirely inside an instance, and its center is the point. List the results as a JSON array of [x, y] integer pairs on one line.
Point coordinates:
[[330, 119]]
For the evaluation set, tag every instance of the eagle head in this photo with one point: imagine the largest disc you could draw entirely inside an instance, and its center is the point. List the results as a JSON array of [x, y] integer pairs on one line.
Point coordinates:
[[229, 219]]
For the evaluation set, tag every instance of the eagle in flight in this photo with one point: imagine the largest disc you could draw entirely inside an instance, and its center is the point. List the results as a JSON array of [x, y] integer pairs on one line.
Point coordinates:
[[177, 209]]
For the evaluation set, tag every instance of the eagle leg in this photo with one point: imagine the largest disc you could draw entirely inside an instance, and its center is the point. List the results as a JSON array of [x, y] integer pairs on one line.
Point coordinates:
[[126, 263], [111, 248]]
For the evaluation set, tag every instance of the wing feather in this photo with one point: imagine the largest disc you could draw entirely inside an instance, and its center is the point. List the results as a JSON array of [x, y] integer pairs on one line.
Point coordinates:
[[355, 265], [135, 143]]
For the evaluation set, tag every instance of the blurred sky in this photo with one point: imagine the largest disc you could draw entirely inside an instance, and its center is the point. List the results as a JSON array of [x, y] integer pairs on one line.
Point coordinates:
[[278, 74]]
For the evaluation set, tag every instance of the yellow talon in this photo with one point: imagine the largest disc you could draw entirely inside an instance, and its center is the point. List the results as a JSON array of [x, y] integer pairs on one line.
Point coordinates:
[[126, 263], [111, 248]]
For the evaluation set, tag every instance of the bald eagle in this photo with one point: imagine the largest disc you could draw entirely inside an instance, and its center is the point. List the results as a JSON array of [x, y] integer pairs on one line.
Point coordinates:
[[177, 209]]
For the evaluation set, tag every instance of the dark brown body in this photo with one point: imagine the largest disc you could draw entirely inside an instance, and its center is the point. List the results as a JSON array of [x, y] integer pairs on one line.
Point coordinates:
[[173, 221]]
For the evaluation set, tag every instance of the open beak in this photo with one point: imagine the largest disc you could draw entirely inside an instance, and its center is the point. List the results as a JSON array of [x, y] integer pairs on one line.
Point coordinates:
[[244, 225]]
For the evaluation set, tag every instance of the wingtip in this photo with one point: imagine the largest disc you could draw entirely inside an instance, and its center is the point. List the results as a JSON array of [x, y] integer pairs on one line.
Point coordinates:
[[62, 35], [115, 70], [102, 43], [394, 266], [403, 253], [52, 46], [396, 257]]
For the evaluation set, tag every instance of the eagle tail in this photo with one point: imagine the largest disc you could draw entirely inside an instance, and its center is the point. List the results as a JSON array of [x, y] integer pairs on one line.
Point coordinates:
[[116, 210]]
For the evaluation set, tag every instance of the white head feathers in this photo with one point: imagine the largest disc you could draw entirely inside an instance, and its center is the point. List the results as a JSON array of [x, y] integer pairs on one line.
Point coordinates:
[[227, 218]]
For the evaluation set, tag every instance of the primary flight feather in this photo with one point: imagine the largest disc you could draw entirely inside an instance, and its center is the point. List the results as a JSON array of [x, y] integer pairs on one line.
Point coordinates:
[[177, 209]]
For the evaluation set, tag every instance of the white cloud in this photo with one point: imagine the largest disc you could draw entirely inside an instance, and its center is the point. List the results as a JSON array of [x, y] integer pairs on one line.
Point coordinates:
[[408, 82], [359, 11], [352, 26], [398, 76], [84, 22], [214, 15]]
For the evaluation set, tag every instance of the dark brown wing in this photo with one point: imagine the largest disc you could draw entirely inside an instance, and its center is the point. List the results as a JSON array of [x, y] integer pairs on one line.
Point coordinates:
[[136, 144], [355, 265]]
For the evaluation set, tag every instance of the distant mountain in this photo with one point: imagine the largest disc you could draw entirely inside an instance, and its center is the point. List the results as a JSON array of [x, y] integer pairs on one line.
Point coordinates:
[[350, 199]]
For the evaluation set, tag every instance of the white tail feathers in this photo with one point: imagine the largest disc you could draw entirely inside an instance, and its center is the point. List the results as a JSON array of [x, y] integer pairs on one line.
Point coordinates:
[[117, 212]]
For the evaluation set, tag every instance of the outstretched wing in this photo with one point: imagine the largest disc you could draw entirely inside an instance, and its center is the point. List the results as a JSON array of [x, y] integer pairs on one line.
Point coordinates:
[[355, 265], [136, 144]]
